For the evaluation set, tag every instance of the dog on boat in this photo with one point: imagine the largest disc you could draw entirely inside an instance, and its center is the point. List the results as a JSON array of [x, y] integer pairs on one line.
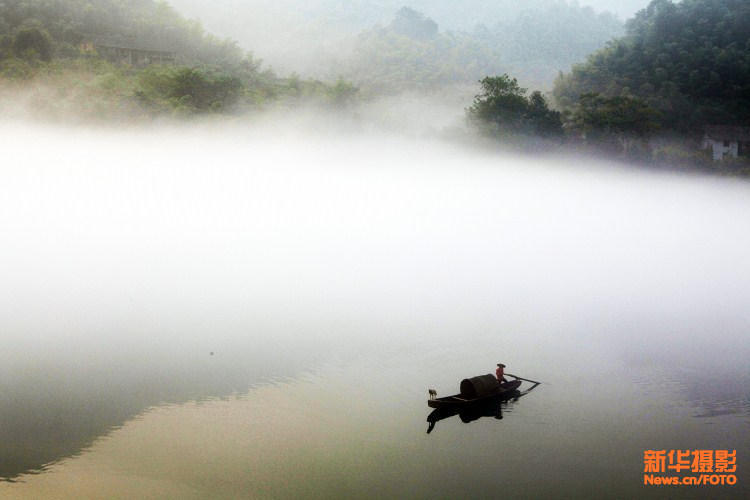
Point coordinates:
[[433, 393]]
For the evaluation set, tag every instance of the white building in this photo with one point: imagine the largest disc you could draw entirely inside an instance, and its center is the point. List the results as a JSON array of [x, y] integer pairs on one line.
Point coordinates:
[[726, 141]]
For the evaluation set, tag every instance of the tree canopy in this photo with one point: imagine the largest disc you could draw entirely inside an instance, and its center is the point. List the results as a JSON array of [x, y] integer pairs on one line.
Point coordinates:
[[49, 40], [619, 115], [54, 28], [689, 60], [502, 108]]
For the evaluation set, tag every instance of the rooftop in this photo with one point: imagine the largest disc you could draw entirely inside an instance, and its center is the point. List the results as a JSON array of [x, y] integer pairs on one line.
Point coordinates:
[[728, 133], [131, 43]]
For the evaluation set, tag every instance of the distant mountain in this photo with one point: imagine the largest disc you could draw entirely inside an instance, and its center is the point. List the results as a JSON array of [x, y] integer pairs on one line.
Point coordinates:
[[411, 52], [229, 16], [312, 37]]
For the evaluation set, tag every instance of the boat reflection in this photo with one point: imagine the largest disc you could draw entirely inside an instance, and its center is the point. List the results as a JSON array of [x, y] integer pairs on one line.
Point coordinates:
[[492, 407]]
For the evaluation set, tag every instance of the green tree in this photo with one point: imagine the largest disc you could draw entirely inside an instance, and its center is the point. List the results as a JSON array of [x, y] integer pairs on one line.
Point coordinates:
[[204, 90], [545, 122], [690, 60], [502, 102], [502, 108], [342, 94], [188, 89], [31, 42], [621, 120]]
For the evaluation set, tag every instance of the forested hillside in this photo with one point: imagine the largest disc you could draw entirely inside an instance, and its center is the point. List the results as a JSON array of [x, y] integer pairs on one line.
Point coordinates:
[[688, 60], [49, 57], [66, 23]]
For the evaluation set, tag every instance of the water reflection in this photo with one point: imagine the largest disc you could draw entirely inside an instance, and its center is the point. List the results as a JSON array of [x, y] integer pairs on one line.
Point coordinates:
[[58, 410], [710, 390], [337, 432], [715, 395]]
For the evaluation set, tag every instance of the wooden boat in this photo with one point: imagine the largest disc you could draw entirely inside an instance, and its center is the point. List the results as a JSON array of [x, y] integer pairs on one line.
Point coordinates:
[[471, 397]]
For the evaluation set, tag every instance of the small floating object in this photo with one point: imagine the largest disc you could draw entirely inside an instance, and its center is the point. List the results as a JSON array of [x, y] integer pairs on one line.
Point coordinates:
[[475, 390]]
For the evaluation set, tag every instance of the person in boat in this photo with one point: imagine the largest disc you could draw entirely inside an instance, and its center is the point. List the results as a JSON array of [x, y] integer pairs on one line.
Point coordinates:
[[500, 373]]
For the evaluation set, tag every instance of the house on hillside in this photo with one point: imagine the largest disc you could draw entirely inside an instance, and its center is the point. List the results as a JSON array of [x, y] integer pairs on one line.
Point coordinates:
[[727, 141], [122, 50]]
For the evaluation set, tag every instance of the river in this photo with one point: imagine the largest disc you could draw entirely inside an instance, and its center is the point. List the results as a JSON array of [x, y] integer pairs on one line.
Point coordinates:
[[259, 312]]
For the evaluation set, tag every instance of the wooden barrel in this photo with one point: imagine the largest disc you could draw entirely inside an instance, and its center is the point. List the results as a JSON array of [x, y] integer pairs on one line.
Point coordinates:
[[479, 387]]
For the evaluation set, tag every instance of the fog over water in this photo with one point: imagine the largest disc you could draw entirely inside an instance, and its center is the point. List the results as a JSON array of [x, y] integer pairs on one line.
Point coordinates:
[[308, 265]]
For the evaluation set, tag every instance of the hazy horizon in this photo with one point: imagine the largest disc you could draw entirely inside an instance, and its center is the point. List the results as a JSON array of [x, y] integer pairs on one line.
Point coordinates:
[[311, 38]]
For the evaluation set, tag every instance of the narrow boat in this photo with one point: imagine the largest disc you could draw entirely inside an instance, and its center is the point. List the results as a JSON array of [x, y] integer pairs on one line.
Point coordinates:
[[475, 390]]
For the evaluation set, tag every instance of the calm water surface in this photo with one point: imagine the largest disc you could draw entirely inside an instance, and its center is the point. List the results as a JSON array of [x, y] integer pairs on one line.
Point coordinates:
[[193, 315]]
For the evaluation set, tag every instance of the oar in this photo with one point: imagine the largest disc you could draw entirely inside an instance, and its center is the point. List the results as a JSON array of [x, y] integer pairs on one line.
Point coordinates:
[[524, 379], [531, 388]]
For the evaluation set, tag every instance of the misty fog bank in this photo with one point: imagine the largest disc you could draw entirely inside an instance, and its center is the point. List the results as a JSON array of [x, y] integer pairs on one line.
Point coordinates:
[[233, 231], [49, 102], [166, 264]]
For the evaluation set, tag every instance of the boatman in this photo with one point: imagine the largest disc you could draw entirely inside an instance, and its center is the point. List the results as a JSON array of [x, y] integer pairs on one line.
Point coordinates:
[[500, 373]]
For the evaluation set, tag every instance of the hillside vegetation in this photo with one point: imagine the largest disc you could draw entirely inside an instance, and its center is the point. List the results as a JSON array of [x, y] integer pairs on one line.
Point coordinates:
[[67, 23], [42, 63], [690, 61]]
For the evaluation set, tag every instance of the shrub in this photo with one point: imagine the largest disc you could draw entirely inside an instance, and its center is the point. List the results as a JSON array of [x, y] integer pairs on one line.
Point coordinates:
[[33, 42]]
